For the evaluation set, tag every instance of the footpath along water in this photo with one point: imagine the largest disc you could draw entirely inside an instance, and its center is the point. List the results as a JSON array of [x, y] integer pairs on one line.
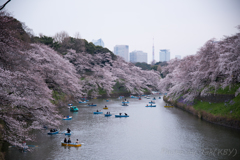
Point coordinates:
[[149, 133]]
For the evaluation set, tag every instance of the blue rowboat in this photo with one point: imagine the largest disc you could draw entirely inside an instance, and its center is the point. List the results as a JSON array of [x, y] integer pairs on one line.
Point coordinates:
[[107, 100], [87, 100], [51, 133], [82, 102], [92, 105], [70, 104], [152, 102], [151, 106], [68, 118], [68, 134], [125, 102], [97, 112], [108, 115], [121, 116]]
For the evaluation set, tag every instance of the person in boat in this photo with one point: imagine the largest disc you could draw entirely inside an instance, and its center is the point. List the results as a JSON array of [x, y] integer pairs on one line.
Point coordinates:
[[69, 140], [53, 130], [77, 141], [97, 111], [68, 130], [65, 140], [64, 117], [125, 114], [147, 104], [92, 103], [105, 106], [120, 114], [67, 116]]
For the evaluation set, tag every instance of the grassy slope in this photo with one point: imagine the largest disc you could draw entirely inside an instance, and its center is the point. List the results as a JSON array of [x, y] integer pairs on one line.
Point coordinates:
[[230, 109]]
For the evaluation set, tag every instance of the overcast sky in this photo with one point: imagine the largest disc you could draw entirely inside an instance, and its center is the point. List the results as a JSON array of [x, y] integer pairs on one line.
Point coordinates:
[[182, 26]]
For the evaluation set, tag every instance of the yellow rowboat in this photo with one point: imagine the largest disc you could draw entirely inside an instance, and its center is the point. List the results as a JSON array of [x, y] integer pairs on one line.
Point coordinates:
[[72, 144], [168, 106], [105, 108], [95, 98]]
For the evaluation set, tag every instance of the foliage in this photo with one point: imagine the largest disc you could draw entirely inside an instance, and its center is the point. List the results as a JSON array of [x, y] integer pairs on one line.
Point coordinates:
[[105, 75], [143, 65], [230, 108], [33, 77], [28, 74], [215, 66]]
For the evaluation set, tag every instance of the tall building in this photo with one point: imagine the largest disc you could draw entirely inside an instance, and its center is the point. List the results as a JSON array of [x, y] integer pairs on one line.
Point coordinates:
[[138, 56], [164, 55], [98, 42], [122, 51], [178, 56]]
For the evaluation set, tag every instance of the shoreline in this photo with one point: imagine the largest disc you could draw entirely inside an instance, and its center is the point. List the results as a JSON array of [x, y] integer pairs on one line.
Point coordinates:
[[201, 114]]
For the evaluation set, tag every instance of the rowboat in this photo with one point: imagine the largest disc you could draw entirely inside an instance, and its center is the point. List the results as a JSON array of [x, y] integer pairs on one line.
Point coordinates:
[[121, 116], [66, 133], [151, 106], [82, 102], [125, 102], [124, 105], [72, 144], [51, 133], [73, 109], [105, 108], [107, 115], [97, 112], [68, 118], [107, 100], [92, 105], [152, 102]]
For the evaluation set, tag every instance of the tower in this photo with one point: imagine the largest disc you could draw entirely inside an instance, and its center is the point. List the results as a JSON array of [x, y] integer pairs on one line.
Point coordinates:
[[153, 60]]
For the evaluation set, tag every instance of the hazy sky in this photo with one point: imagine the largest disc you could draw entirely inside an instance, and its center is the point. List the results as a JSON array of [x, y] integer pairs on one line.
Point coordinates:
[[182, 26]]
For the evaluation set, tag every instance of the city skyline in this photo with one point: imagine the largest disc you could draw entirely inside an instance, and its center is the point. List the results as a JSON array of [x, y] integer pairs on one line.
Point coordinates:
[[183, 27]]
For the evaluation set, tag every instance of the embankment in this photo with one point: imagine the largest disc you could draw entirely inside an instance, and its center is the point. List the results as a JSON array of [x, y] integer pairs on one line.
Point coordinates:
[[203, 113]]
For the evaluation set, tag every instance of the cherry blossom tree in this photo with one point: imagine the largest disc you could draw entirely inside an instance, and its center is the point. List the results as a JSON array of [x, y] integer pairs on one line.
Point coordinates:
[[216, 65]]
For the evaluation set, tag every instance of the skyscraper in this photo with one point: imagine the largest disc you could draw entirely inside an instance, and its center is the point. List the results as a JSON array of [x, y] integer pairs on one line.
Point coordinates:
[[98, 42], [138, 56], [164, 55], [122, 51]]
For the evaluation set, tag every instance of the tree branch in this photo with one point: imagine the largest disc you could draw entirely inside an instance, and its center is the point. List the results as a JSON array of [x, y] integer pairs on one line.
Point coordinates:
[[1, 7]]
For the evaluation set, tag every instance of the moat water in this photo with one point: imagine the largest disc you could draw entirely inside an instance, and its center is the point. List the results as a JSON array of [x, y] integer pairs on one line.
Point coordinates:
[[147, 134]]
